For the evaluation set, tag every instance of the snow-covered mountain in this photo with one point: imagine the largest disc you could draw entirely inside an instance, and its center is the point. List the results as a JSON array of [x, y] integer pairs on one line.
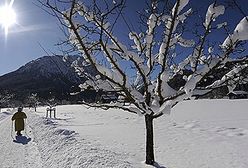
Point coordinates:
[[48, 66], [48, 74]]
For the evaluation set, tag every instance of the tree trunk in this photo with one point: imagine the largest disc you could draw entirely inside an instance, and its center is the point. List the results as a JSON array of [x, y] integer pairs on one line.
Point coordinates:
[[149, 140]]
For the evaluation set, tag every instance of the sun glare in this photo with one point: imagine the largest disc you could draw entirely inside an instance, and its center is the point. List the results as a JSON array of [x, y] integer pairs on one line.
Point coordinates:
[[7, 17]]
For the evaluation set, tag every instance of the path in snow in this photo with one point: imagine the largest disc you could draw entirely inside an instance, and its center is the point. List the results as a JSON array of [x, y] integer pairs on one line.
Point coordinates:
[[52, 146], [60, 147], [16, 155]]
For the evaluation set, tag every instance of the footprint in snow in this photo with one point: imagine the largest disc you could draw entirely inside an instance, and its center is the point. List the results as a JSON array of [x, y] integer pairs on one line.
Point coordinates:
[[187, 125], [195, 126], [232, 131]]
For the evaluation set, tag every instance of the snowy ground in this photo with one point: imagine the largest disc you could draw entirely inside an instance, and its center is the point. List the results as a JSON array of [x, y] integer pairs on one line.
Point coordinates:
[[197, 134]]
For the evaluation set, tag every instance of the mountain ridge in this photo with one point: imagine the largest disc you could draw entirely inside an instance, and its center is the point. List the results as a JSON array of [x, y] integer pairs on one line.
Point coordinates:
[[47, 76]]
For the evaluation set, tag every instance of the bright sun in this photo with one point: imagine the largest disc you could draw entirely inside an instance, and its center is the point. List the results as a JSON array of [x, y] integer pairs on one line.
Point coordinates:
[[7, 17]]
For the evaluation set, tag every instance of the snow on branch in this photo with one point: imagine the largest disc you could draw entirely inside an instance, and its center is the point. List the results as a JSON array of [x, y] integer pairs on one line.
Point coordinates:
[[240, 34], [213, 12], [231, 76], [160, 66], [136, 38], [180, 4]]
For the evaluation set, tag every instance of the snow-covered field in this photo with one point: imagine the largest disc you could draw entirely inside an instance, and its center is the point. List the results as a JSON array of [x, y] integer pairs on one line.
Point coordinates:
[[197, 134]]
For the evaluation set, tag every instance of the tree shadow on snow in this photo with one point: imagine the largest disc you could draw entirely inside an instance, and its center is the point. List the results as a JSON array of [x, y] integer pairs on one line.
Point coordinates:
[[157, 165], [22, 139]]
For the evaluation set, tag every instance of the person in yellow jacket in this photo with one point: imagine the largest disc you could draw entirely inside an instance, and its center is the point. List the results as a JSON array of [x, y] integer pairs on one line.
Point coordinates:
[[19, 117]]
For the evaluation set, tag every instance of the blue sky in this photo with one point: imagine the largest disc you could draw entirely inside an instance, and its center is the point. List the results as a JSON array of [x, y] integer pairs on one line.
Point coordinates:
[[34, 27]]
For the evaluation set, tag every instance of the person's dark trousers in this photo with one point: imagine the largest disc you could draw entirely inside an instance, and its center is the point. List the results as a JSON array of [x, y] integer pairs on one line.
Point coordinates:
[[19, 133]]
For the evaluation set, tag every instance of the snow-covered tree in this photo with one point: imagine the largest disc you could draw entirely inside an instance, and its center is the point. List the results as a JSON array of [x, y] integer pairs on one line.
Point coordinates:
[[5, 97], [51, 102], [33, 100], [141, 72]]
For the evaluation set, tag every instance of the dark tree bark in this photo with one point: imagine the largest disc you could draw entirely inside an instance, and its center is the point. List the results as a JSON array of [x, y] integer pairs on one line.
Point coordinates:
[[149, 140]]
